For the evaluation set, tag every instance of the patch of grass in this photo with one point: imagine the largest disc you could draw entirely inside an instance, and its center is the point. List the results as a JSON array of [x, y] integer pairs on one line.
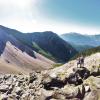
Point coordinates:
[[57, 65], [62, 76], [91, 82], [44, 53]]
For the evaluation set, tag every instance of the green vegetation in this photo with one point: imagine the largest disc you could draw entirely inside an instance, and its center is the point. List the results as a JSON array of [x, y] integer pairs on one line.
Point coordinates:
[[92, 82], [41, 51], [81, 48], [57, 65], [87, 52], [22, 38]]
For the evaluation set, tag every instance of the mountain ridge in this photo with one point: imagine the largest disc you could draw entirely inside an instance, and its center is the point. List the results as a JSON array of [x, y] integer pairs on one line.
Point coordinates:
[[81, 42], [82, 39], [50, 43]]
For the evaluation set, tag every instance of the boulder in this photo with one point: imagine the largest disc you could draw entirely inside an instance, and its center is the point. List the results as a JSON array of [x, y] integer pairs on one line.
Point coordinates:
[[45, 94], [11, 87], [81, 92], [7, 76], [50, 83], [18, 90], [3, 97], [95, 70], [68, 92], [82, 72], [46, 79], [25, 96], [4, 88], [87, 88], [93, 82], [78, 75], [74, 78], [32, 77], [93, 95]]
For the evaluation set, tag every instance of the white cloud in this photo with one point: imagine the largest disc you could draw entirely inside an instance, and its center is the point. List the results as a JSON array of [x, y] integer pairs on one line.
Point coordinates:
[[17, 13], [10, 9]]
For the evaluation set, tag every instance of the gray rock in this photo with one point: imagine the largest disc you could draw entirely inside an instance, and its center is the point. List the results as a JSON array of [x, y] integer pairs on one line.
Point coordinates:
[[11, 87], [3, 97], [25, 96], [82, 72], [32, 97], [45, 95], [93, 95], [18, 90], [8, 83], [68, 92], [4, 88], [74, 78], [81, 92], [17, 84], [87, 88], [32, 77], [7, 76]]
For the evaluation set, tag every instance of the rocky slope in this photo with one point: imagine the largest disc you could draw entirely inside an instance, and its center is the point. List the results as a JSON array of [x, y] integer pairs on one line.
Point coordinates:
[[64, 83], [92, 60], [13, 58]]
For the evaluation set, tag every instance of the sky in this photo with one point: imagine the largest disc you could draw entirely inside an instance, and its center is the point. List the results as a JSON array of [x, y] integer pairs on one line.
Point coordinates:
[[60, 16]]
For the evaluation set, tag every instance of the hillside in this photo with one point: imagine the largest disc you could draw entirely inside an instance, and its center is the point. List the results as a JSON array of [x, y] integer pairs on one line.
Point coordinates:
[[81, 48], [91, 60], [21, 60], [17, 55], [54, 45], [47, 43], [88, 52], [6, 67], [5, 37], [82, 42]]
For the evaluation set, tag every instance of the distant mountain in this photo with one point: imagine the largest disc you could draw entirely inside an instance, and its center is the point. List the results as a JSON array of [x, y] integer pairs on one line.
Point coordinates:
[[47, 43], [85, 41], [93, 40]]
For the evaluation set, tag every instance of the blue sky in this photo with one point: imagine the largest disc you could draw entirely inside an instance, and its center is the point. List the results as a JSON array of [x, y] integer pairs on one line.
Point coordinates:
[[85, 12], [60, 16]]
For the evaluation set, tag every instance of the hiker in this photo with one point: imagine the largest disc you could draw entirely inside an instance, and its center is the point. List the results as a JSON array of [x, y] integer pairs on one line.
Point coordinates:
[[80, 61]]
